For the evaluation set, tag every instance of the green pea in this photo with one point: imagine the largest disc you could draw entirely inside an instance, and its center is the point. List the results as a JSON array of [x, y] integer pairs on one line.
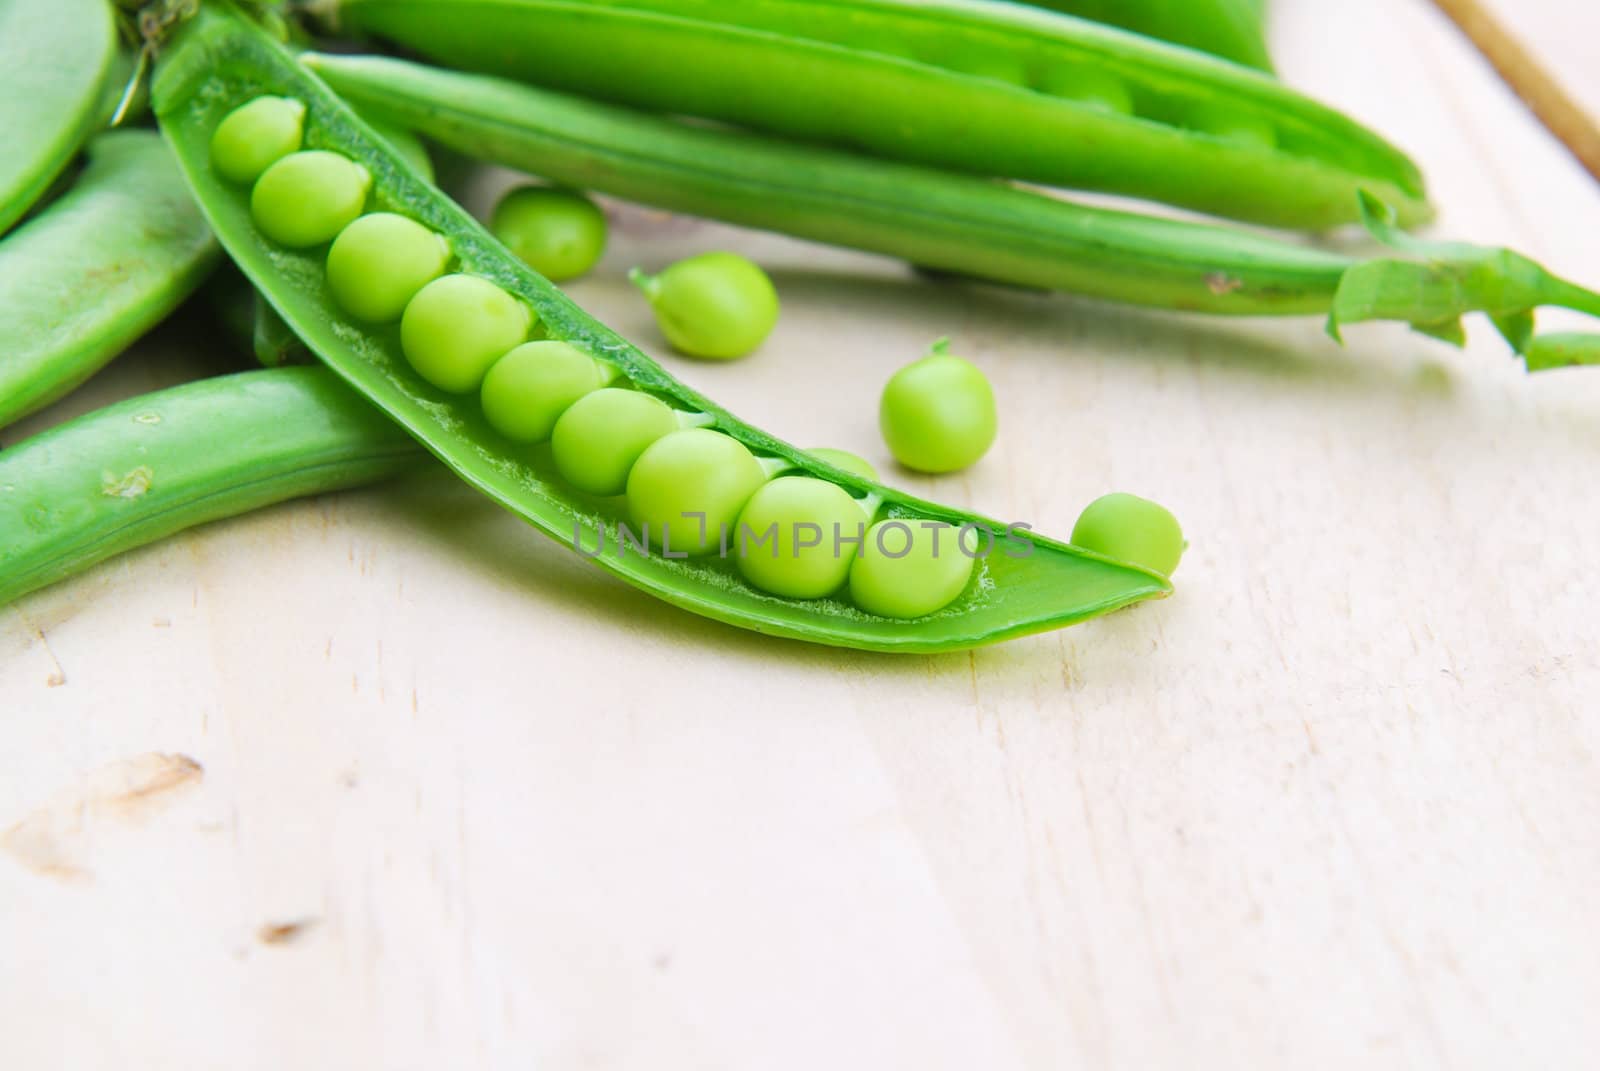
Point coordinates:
[[256, 135], [797, 536], [596, 442], [529, 388], [844, 459], [687, 488], [457, 327], [938, 414], [379, 262], [559, 233], [910, 568], [1131, 529], [718, 306], [306, 198]]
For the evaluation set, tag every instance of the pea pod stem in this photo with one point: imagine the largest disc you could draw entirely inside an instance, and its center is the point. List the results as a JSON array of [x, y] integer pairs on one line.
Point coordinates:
[[146, 468], [219, 61], [941, 220], [996, 89]]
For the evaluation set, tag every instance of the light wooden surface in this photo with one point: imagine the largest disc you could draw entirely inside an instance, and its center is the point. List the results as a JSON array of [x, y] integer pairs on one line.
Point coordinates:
[[385, 780]]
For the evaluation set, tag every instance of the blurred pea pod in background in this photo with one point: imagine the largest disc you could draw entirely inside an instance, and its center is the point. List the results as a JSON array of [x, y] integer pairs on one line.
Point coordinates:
[[1232, 29]]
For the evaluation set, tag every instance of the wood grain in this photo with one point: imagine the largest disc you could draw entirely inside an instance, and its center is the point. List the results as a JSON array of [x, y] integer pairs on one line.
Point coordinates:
[[1531, 77], [466, 802]]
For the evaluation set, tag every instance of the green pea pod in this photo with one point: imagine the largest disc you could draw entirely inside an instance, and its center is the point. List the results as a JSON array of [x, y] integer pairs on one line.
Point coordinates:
[[959, 223], [56, 55], [99, 267], [953, 222], [219, 61], [992, 88], [1231, 29], [148, 467]]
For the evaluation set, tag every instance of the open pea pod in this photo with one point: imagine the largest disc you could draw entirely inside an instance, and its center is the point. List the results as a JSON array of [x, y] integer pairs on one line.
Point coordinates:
[[55, 55], [997, 89], [219, 61]]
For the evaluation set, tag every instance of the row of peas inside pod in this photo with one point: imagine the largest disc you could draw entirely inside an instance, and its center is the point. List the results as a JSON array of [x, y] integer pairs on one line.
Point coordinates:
[[690, 490]]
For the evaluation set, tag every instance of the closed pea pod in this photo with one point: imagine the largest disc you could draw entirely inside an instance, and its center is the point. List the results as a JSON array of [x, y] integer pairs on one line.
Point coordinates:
[[218, 61], [154, 465], [96, 269], [958, 223], [948, 92], [56, 57], [1091, 88], [1231, 29]]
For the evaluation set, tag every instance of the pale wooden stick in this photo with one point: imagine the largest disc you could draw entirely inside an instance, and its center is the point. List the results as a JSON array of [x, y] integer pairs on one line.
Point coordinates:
[[1554, 106]]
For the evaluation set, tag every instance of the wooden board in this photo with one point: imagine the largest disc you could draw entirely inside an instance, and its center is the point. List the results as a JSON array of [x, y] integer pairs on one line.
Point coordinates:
[[384, 780]]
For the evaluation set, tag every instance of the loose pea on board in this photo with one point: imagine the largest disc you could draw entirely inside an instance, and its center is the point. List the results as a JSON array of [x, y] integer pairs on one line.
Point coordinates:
[[716, 306], [218, 62], [559, 233], [938, 414], [1131, 529]]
